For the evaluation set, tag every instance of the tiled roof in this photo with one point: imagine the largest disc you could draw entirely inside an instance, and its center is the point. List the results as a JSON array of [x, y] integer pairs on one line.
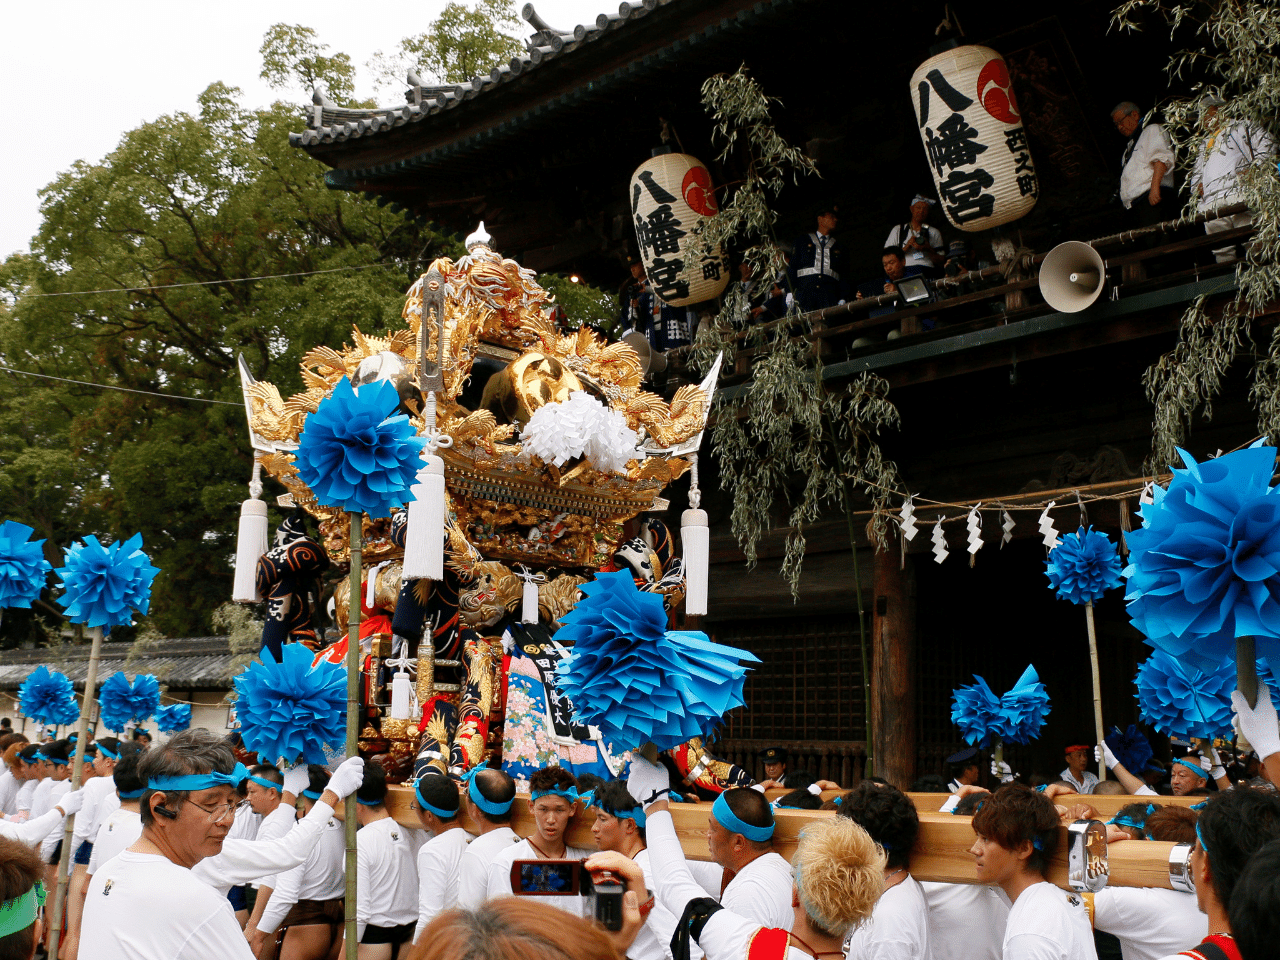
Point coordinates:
[[201, 663]]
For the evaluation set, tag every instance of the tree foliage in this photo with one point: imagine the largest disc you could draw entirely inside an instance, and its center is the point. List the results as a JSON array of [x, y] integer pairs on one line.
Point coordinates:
[[293, 59], [134, 281], [1234, 60], [464, 42]]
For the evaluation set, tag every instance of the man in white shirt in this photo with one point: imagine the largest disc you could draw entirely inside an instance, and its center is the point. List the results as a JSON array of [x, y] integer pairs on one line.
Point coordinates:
[[32, 773], [921, 243], [270, 797], [1230, 150], [1075, 774], [490, 794], [1017, 832], [740, 838], [440, 858], [899, 925], [387, 876], [1146, 169], [964, 769], [553, 793], [31, 832]]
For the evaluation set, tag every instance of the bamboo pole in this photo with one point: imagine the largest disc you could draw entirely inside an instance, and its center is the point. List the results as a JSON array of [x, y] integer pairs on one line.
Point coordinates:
[[869, 764], [1097, 683], [82, 735], [353, 726], [1247, 669]]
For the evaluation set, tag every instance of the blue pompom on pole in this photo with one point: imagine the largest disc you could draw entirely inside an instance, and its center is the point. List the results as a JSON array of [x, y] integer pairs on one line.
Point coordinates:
[[1024, 708], [49, 698], [985, 719], [174, 717], [122, 701], [291, 710], [1183, 701], [1204, 569], [1131, 748], [975, 709], [23, 568], [105, 585], [1081, 568], [637, 681]]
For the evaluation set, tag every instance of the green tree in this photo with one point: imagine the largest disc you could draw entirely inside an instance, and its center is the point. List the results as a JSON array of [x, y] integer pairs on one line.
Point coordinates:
[[168, 226], [462, 43], [292, 59]]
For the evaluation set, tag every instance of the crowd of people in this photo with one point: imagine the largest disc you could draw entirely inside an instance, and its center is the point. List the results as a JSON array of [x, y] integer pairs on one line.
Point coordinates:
[[183, 852]]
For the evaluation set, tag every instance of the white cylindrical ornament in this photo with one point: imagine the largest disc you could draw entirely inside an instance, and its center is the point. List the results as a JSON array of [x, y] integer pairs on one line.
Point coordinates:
[[529, 602], [251, 544], [974, 138], [696, 537], [671, 197], [424, 539], [401, 695]]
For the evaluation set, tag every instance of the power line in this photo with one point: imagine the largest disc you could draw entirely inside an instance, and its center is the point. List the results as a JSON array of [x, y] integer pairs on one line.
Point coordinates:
[[108, 386]]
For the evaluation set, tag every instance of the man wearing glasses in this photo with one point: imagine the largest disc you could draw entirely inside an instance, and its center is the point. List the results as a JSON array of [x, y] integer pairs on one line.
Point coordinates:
[[147, 903]]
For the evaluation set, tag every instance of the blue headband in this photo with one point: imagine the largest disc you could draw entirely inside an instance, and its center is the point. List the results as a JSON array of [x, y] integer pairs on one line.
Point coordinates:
[[264, 782], [1200, 836], [1120, 821], [201, 781], [633, 813], [311, 794], [367, 803], [440, 812], [727, 819], [478, 798], [571, 794], [21, 912], [107, 751], [54, 760], [1195, 767], [130, 794]]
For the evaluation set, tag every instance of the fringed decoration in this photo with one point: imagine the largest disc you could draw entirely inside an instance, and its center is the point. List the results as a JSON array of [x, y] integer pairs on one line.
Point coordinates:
[[529, 592], [424, 539], [940, 551], [1046, 527], [696, 537], [251, 541]]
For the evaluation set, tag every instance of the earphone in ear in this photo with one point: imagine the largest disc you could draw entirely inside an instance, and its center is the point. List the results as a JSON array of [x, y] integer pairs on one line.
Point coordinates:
[[164, 812]]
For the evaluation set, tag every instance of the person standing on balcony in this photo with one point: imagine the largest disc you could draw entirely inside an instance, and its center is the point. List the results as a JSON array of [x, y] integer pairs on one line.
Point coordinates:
[[1146, 168], [1232, 148], [817, 267], [921, 243]]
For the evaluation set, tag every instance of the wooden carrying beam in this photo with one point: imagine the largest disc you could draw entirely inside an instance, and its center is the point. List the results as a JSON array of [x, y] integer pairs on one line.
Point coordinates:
[[941, 853]]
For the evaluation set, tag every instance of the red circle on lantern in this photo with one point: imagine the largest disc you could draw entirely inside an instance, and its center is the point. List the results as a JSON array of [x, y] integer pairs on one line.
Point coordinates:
[[995, 92], [698, 193]]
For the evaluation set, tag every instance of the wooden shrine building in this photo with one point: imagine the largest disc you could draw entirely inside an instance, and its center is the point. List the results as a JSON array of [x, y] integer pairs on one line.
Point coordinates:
[[1005, 399]]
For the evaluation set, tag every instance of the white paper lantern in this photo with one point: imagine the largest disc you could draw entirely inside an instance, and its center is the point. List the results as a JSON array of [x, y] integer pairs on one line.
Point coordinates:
[[671, 198], [974, 138]]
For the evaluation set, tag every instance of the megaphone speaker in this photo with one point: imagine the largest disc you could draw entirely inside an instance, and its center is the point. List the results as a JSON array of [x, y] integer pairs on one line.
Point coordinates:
[[649, 358], [1072, 276]]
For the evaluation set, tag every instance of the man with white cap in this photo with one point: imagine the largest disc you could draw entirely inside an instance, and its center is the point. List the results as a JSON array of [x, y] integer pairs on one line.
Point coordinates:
[[921, 243], [1232, 148]]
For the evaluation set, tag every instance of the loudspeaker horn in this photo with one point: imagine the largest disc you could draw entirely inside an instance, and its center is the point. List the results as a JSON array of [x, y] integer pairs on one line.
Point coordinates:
[[1072, 276], [650, 359]]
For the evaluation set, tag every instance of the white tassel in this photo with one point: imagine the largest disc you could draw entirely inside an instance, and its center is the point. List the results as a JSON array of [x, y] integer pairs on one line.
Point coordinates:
[[696, 537], [529, 602], [401, 695], [424, 539], [251, 542]]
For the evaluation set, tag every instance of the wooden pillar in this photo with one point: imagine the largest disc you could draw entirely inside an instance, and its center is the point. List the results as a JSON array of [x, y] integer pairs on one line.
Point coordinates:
[[893, 668]]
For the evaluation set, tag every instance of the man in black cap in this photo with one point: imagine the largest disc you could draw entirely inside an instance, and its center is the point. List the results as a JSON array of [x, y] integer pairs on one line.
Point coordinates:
[[775, 765], [817, 269], [964, 769]]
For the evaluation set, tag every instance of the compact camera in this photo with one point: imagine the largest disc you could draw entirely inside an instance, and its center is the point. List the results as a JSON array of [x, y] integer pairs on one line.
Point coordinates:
[[569, 878]]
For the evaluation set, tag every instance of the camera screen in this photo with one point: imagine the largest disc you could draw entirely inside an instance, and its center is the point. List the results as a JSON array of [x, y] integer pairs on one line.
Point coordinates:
[[549, 878]]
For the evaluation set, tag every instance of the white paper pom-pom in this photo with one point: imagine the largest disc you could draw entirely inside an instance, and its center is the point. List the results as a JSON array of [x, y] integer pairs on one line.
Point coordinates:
[[581, 426]]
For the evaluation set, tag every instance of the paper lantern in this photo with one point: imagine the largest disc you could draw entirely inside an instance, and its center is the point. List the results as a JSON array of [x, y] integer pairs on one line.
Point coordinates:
[[974, 138], [671, 197]]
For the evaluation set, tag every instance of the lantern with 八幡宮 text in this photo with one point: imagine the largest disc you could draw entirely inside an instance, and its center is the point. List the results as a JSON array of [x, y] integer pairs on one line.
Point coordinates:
[[671, 198], [974, 137]]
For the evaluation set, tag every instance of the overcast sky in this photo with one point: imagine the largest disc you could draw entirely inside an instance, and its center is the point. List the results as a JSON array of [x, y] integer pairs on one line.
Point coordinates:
[[76, 75]]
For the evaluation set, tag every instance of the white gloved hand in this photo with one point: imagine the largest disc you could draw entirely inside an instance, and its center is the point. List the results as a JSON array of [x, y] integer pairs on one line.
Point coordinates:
[[1258, 725], [1102, 754], [296, 779], [72, 802], [347, 778], [791, 300], [647, 781], [1216, 770], [1002, 770]]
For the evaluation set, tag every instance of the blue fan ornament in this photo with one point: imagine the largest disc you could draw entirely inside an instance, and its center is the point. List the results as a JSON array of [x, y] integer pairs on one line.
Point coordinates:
[[105, 585], [122, 701], [637, 681], [1083, 566], [976, 711], [23, 568], [1131, 748], [1024, 708], [49, 698], [174, 717], [355, 455], [1204, 568], [290, 710]]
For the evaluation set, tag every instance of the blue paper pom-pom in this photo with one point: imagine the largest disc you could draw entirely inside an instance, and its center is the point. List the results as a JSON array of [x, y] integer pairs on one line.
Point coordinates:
[[1083, 566], [1024, 708], [291, 710], [105, 585], [23, 568], [1181, 700], [48, 697], [1205, 566], [355, 455], [1131, 748], [976, 711], [174, 717], [122, 701], [637, 681]]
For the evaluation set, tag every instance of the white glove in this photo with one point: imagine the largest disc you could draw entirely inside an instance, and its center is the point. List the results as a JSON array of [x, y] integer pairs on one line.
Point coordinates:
[[1258, 725], [647, 782], [72, 802], [1002, 770], [296, 779], [347, 778], [1216, 770], [1102, 754], [791, 300]]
